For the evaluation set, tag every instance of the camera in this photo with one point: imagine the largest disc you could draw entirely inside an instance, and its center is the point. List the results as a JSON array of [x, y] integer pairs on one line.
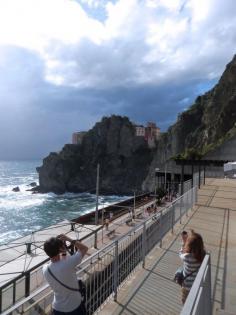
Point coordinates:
[[63, 247], [61, 244]]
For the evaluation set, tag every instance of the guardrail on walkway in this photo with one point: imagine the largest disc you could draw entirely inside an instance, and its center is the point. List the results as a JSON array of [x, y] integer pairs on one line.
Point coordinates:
[[196, 181], [106, 271], [199, 299]]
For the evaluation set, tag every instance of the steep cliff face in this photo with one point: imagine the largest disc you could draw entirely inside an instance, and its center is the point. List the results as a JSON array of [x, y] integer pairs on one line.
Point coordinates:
[[210, 120], [123, 157], [207, 128]]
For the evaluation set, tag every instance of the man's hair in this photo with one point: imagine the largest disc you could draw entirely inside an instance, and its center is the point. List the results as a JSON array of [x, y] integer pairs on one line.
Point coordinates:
[[52, 246]]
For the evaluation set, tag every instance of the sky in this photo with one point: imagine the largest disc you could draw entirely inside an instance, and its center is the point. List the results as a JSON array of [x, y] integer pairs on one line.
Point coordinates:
[[64, 64]]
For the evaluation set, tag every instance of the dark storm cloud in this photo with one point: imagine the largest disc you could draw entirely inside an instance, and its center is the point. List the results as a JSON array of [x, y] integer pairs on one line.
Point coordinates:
[[38, 117], [143, 61]]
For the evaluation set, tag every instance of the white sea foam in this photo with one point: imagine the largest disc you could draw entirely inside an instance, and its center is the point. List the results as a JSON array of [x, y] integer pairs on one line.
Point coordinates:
[[23, 212]]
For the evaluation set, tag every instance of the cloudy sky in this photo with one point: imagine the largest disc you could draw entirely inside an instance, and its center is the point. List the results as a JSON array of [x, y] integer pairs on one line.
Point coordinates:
[[66, 63]]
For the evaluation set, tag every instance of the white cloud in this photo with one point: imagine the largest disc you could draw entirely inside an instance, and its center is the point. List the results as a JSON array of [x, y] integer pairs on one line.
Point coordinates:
[[33, 24], [149, 41]]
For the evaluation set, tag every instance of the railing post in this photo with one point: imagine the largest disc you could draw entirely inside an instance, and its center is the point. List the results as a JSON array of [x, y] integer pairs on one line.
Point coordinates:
[[161, 229], [116, 271], [172, 218], [144, 244], [14, 292], [195, 195], [28, 247], [72, 226], [180, 209], [199, 176], [187, 203], [95, 239], [27, 283]]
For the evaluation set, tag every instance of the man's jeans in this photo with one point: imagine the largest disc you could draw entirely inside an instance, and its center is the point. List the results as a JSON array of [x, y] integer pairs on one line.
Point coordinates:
[[78, 311]]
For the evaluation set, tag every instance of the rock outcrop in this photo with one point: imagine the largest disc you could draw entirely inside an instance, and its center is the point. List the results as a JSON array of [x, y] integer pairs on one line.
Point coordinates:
[[127, 164], [124, 160]]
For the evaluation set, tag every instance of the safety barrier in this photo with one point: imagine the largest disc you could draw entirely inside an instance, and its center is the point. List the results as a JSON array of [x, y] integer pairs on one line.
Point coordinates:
[[106, 271], [199, 299]]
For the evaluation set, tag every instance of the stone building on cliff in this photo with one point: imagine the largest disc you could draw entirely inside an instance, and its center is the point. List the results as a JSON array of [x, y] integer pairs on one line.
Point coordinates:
[[150, 133], [77, 137]]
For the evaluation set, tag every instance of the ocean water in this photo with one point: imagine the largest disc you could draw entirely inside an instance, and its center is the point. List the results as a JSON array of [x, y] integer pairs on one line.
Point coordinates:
[[23, 212]]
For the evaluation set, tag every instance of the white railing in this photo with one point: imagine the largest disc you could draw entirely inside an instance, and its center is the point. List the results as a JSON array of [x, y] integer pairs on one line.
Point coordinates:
[[108, 269], [199, 299]]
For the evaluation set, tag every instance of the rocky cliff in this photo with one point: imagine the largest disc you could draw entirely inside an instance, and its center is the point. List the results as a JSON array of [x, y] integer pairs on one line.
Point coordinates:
[[123, 157], [206, 130], [126, 162]]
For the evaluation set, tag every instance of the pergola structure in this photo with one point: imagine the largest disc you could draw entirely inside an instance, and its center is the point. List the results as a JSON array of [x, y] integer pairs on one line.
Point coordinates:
[[201, 164]]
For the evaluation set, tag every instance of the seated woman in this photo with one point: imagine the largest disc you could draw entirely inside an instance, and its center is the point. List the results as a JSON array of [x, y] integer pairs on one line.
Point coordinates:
[[192, 256]]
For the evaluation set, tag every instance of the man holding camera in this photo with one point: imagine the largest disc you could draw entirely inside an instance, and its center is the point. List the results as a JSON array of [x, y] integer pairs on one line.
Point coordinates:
[[60, 273]]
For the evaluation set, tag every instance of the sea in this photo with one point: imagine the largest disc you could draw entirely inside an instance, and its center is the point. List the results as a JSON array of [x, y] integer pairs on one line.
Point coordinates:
[[22, 213]]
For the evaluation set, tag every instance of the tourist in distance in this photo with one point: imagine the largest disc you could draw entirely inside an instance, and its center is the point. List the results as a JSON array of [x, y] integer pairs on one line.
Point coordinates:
[[192, 255], [60, 273]]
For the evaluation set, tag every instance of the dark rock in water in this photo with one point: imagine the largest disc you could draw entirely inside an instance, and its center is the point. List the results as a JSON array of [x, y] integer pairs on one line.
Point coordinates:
[[16, 189], [33, 184], [35, 189]]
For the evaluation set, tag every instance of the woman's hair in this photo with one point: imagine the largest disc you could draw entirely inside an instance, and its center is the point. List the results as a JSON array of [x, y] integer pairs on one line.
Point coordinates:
[[194, 245]]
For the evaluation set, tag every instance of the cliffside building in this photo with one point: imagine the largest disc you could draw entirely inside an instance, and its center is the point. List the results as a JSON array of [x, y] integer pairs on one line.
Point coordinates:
[[151, 133], [77, 137]]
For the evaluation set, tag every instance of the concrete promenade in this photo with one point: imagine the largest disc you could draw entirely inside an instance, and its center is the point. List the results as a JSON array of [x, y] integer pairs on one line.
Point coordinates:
[[151, 291]]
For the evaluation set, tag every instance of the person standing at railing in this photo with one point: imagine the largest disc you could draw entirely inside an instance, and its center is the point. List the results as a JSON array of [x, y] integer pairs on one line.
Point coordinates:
[[192, 256], [60, 273]]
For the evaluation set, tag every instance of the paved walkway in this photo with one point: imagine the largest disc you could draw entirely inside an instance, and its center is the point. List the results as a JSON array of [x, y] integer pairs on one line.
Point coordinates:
[[151, 291]]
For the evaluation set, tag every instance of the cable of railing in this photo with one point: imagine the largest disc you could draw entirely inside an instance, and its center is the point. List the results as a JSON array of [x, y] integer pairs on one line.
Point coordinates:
[[110, 247]]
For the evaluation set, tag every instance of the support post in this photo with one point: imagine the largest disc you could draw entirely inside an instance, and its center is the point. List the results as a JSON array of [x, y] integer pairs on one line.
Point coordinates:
[[72, 226], [182, 180], [144, 244], [199, 176], [116, 271], [28, 248], [156, 181], [204, 171], [96, 211], [27, 284], [161, 229], [134, 207], [192, 175], [172, 217]]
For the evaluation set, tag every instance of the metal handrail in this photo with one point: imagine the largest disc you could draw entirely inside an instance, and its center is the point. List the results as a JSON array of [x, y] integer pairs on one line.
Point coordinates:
[[131, 250], [199, 299]]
